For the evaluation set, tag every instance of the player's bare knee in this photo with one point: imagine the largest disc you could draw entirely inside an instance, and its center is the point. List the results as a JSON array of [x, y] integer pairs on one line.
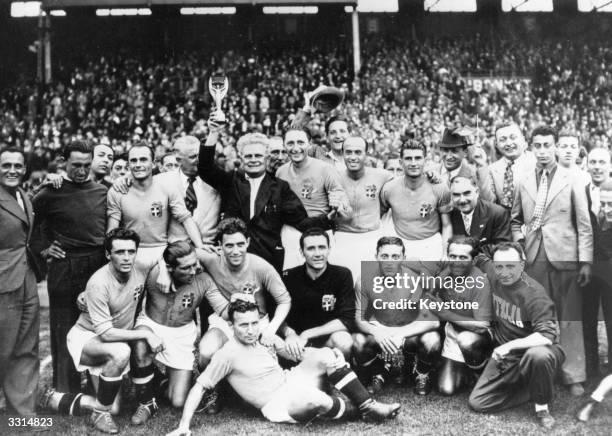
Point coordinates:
[[342, 341], [141, 354], [466, 340], [177, 399], [118, 355], [431, 341], [359, 344]]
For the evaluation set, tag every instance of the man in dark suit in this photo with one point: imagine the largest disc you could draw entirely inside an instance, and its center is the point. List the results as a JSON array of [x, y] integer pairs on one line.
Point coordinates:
[[484, 221], [263, 201], [19, 306], [600, 289], [453, 150]]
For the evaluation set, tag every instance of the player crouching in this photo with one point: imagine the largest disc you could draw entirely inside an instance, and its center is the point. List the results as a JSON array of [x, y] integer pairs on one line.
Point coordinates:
[[282, 396]]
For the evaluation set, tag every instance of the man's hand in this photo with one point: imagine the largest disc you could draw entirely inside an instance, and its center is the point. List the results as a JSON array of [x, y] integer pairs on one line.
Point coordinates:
[[81, 303], [433, 177], [266, 338], [584, 275], [122, 184], [53, 252], [215, 125], [385, 341], [295, 345], [180, 431], [500, 353], [54, 180], [155, 342]]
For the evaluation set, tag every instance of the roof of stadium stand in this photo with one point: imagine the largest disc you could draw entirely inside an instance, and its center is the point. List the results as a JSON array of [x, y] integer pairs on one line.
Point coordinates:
[[54, 4]]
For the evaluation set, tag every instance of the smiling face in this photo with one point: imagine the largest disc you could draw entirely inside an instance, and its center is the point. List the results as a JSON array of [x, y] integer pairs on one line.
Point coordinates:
[[12, 169], [510, 141], [296, 144], [315, 251], [464, 195], [354, 153], [598, 165], [253, 157], [452, 157], [141, 162], [234, 248], [567, 151], [337, 134]]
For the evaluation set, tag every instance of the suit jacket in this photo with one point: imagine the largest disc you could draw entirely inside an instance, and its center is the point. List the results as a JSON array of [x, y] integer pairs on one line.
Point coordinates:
[[602, 238], [566, 226], [490, 224], [524, 164], [480, 174], [276, 204], [16, 230]]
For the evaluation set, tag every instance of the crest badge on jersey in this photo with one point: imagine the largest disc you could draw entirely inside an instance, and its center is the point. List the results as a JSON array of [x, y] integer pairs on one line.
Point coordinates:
[[425, 210], [137, 291], [370, 191], [328, 302], [249, 288], [187, 300], [156, 209], [307, 190]]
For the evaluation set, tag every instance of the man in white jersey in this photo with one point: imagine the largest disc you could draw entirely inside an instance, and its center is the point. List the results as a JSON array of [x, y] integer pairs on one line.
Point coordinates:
[[358, 234], [147, 208], [99, 341], [419, 208], [282, 396], [315, 182]]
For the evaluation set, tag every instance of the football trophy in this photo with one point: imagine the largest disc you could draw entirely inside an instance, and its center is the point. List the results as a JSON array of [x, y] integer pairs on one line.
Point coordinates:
[[218, 85], [326, 98]]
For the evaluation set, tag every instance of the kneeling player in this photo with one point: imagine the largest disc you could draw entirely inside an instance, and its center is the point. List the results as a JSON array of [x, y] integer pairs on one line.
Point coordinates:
[[282, 396], [99, 341], [467, 343], [169, 316], [395, 331]]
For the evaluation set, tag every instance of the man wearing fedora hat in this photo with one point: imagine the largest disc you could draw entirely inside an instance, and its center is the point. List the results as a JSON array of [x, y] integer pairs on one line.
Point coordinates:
[[454, 150]]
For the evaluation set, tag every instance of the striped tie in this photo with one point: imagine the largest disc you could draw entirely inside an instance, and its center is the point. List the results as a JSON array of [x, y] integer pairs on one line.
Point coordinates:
[[191, 201], [508, 188], [538, 212]]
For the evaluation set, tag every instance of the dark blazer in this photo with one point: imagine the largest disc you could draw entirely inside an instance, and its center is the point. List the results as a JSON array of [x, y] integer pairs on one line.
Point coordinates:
[[490, 224], [602, 239], [15, 233], [276, 204]]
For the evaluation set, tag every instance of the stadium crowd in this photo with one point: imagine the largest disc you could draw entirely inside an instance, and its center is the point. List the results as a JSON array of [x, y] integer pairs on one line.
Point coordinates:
[[162, 213]]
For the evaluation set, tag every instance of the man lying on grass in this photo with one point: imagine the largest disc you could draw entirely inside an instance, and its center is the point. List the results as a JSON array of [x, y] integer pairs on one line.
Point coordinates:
[[282, 396]]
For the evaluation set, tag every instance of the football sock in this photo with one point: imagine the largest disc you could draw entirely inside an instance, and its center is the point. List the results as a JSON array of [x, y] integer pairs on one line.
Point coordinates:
[[143, 379], [539, 407], [108, 389], [70, 404], [337, 410], [346, 381]]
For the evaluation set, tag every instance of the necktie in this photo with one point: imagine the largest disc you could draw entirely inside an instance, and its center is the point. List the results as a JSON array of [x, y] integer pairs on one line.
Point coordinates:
[[191, 201], [508, 188], [595, 201], [538, 212], [467, 222]]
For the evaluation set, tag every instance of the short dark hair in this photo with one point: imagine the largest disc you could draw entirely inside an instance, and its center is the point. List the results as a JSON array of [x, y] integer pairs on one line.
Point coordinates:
[[175, 250], [299, 129], [120, 234], [141, 144], [335, 118], [12, 149], [229, 226], [507, 246], [314, 231], [390, 240], [77, 146], [240, 306], [465, 240], [545, 130], [412, 144], [569, 133], [122, 156]]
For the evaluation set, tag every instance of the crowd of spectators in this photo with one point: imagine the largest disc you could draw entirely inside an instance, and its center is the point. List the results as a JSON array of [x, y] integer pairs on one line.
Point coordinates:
[[406, 88]]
